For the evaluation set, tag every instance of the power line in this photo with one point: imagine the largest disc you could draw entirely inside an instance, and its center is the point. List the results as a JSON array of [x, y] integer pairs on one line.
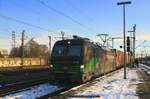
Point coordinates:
[[140, 44], [63, 14], [29, 9], [33, 11], [23, 22], [79, 11], [4, 30], [23, 6]]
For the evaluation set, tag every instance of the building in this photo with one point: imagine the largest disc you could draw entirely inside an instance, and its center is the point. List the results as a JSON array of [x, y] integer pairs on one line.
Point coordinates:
[[3, 52]]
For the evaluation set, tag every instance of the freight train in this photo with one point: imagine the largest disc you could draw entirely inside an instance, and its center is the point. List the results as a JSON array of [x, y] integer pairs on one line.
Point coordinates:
[[80, 60]]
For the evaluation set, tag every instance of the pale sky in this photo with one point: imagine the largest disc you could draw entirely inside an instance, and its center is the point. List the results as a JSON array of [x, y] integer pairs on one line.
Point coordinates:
[[80, 17]]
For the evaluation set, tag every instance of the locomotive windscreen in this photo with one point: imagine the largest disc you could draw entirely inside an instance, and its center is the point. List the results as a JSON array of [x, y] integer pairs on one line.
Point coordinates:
[[67, 50]]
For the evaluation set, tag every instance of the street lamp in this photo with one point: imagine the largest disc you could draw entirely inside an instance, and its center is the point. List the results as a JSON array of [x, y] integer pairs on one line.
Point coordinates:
[[124, 30]]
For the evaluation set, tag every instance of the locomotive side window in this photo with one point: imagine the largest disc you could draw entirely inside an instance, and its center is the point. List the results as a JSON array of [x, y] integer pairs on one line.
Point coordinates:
[[59, 50], [74, 50]]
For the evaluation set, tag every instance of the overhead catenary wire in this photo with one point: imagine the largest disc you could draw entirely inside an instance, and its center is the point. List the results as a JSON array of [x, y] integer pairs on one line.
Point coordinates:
[[30, 9], [4, 30], [36, 12], [68, 2], [25, 23], [140, 44], [65, 15]]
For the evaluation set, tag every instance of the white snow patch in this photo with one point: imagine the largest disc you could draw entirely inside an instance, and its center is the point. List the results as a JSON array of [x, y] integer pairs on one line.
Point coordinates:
[[34, 92], [145, 68], [113, 86]]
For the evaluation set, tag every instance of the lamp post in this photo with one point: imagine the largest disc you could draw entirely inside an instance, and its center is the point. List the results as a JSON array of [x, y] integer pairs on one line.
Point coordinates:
[[124, 33]]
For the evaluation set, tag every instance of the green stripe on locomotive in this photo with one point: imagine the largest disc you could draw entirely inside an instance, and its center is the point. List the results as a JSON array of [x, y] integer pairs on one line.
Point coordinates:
[[90, 65], [69, 69]]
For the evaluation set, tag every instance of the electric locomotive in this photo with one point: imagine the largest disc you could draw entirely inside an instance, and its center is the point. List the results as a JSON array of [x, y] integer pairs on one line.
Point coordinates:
[[79, 60]]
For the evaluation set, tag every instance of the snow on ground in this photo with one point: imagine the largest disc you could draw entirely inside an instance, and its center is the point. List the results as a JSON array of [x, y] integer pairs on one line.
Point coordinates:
[[34, 92], [145, 68], [111, 86]]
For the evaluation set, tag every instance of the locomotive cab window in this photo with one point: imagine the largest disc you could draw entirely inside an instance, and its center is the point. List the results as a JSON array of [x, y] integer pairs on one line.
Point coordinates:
[[74, 50], [67, 50], [59, 50]]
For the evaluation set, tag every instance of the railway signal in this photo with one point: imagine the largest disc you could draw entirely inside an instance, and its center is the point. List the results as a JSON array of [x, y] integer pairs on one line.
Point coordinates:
[[128, 44]]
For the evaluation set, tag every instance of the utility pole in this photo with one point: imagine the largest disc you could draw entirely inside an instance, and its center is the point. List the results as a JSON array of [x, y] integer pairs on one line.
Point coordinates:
[[124, 33], [49, 49], [50, 44], [134, 29], [62, 33], [113, 42], [22, 47], [133, 45], [13, 39]]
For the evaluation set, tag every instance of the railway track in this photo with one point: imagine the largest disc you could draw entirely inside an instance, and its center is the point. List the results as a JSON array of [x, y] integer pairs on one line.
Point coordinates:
[[145, 68], [61, 92], [20, 86], [58, 88], [55, 89], [54, 94]]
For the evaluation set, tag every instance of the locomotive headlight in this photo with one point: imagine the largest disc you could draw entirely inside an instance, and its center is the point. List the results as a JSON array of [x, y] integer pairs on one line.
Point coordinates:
[[82, 66], [51, 66]]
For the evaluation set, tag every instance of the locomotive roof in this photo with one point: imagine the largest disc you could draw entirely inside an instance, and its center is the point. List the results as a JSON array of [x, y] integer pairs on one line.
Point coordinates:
[[81, 41], [74, 41]]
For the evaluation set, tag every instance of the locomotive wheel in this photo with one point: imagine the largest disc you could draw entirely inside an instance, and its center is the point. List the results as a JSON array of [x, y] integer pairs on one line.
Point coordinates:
[[89, 77], [84, 78]]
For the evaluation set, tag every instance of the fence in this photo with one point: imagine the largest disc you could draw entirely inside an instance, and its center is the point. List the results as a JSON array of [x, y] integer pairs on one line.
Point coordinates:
[[13, 62]]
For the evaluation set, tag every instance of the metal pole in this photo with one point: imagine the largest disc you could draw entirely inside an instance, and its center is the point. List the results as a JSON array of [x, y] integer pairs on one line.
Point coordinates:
[[134, 29], [49, 49], [49, 44], [124, 3], [22, 48], [62, 33], [131, 41], [13, 39], [131, 52], [112, 42], [124, 34]]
